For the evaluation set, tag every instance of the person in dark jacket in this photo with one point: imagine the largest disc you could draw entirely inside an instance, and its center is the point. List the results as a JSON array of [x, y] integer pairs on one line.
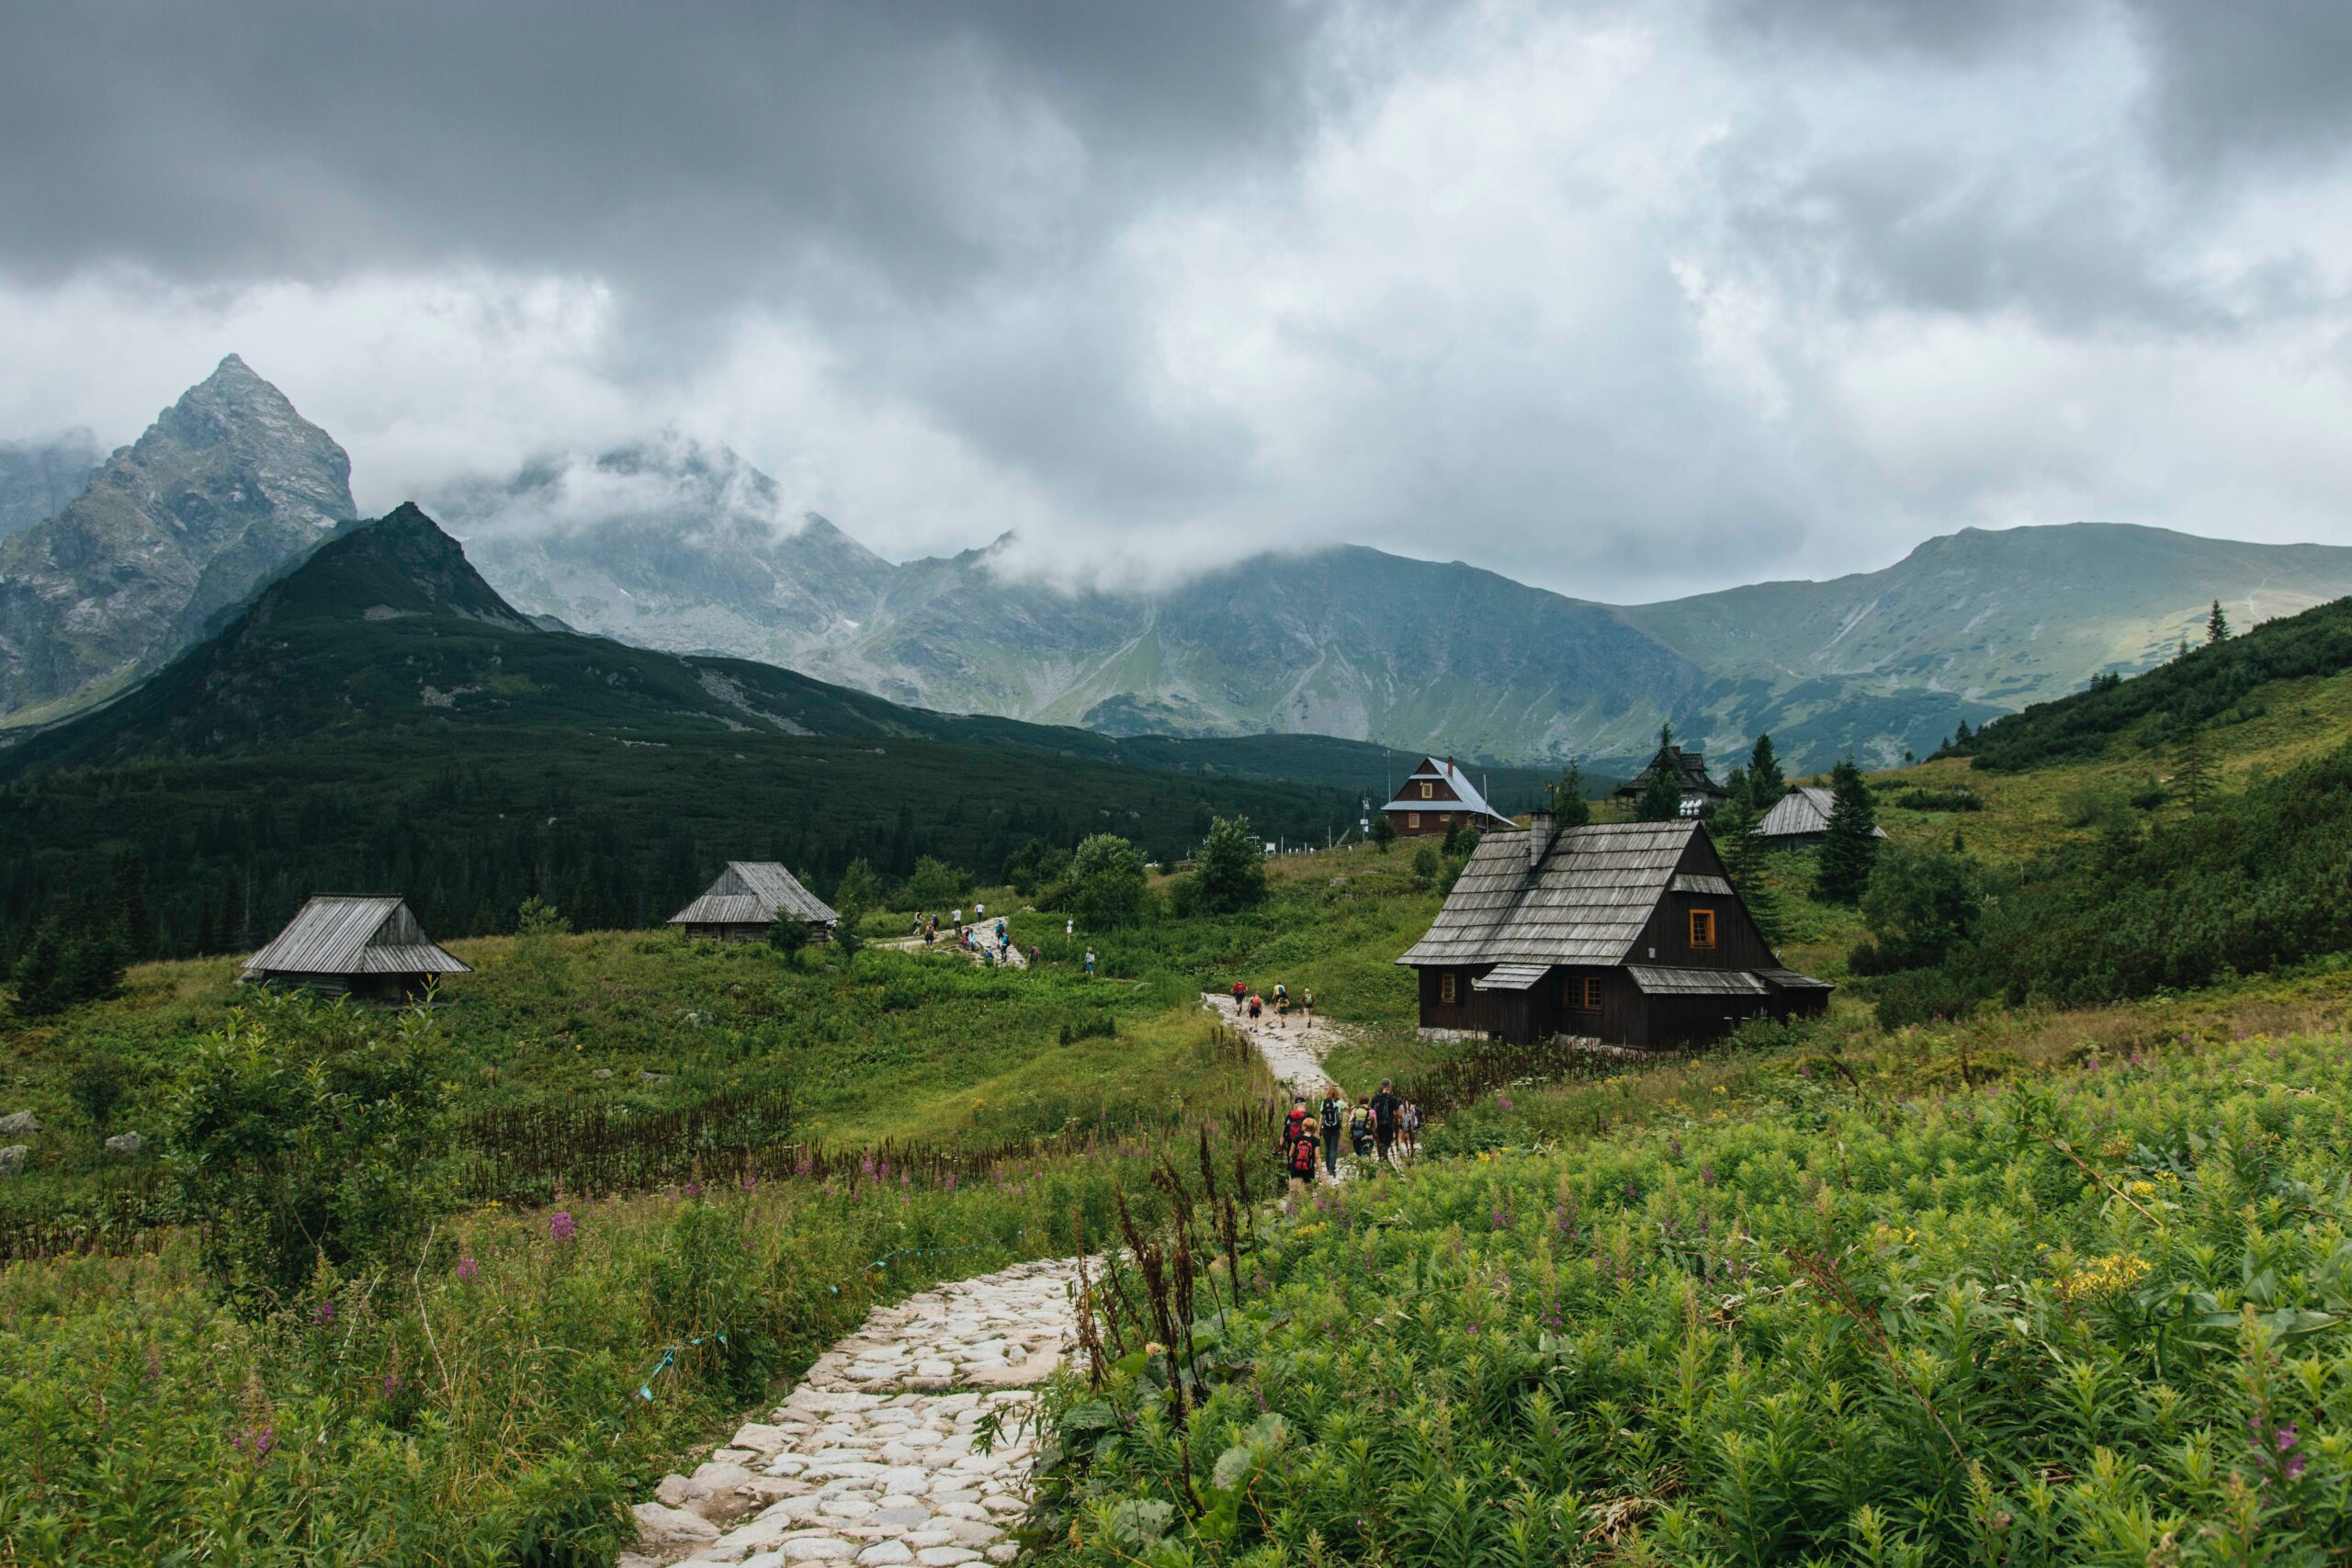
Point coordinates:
[[1385, 1107], [1334, 1120]]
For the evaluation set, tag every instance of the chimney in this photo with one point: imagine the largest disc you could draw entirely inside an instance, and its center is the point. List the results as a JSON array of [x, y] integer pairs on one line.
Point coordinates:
[[1539, 837]]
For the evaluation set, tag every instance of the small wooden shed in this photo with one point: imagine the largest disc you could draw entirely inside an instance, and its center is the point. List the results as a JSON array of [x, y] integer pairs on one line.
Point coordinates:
[[370, 948], [750, 896], [1799, 818]]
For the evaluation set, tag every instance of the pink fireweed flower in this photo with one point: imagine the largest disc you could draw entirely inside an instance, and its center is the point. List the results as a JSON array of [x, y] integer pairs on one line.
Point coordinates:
[[694, 1188], [323, 1313], [559, 1224], [468, 1268], [391, 1384]]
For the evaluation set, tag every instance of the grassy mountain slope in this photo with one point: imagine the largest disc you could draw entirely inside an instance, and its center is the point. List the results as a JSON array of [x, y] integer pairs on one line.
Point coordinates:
[[380, 719]]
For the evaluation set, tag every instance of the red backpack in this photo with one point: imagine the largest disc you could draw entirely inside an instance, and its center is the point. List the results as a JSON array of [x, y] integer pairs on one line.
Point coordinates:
[[1302, 1157]]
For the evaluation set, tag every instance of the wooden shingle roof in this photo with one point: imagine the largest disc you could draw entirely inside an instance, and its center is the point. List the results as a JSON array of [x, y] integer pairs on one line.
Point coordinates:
[[754, 893], [336, 934], [1450, 774], [1586, 903], [1803, 810]]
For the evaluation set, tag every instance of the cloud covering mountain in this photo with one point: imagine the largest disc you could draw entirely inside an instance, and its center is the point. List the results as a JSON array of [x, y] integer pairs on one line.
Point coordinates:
[[1621, 301]]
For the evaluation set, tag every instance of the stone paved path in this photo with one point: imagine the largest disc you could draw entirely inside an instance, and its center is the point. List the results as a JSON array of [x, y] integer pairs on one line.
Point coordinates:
[[1013, 956], [873, 1458], [1294, 1055]]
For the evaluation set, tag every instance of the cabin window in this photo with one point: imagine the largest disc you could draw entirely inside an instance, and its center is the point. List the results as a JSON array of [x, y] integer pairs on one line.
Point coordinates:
[[1445, 992], [1428, 792], [1445, 816], [1703, 927], [1581, 993], [1412, 819]]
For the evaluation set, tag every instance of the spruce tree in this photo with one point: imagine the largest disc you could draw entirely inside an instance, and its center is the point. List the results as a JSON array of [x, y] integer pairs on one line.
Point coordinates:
[[2192, 778], [2217, 625], [1766, 782], [1849, 848], [1569, 807], [1383, 833], [1743, 855], [1661, 798]]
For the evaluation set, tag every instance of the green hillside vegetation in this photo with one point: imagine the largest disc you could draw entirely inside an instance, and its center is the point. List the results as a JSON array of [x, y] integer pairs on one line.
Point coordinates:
[[380, 720]]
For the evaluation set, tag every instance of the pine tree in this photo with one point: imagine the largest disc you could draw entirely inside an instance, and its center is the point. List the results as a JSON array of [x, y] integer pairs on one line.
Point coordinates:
[[2193, 777], [1661, 798], [2217, 625], [1766, 782], [1849, 848], [1743, 855], [1383, 833], [134, 917], [1569, 807]]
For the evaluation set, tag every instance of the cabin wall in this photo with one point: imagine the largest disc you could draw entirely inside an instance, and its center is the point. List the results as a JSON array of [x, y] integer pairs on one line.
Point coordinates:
[[1474, 1010], [1696, 1021], [1437, 818]]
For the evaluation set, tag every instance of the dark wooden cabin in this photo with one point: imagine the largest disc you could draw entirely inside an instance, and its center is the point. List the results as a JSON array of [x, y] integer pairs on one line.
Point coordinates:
[[370, 948], [1438, 798], [1800, 820], [1689, 769], [749, 897], [1628, 933]]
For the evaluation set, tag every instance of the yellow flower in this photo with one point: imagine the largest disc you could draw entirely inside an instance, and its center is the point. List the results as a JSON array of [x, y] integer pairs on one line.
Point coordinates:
[[2110, 1275]]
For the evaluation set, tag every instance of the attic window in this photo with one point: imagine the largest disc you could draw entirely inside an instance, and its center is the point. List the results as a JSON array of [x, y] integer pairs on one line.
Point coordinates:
[[1703, 927], [1428, 792], [1581, 993], [1445, 992]]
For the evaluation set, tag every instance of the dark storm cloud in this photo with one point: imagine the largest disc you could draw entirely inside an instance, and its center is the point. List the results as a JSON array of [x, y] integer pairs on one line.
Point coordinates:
[[2270, 82], [671, 147]]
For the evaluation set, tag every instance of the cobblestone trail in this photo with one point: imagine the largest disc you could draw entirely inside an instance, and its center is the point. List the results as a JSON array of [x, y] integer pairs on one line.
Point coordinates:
[[873, 1458]]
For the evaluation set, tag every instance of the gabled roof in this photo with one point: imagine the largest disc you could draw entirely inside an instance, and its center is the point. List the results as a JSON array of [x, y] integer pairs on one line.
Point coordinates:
[[336, 934], [754, 893], [1804, 809], [1690, 775], [1448, 773], [1587, 903]]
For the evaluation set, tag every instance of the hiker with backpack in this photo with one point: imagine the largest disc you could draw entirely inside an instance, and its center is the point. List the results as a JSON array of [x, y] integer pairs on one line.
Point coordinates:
[[1360, 1131], [1299, 1158], [1240, 989], [1384, 1109], [1334, 1119], [1408, 1128], [1293, 1122]]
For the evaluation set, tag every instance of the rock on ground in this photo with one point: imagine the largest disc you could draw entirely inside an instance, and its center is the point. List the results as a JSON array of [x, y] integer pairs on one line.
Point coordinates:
[[875, 1458]]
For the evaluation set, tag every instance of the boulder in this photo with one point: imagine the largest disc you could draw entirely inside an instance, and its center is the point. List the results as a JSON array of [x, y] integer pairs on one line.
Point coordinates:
[[12, 1158], [677, 1491], [125, 1144], [760, 1438], [19, 1124], [660, 1525]]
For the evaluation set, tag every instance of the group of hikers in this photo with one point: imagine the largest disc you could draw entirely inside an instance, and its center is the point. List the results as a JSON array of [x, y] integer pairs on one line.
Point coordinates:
[[1249, 1004], [1384, 1128], [990, 942]]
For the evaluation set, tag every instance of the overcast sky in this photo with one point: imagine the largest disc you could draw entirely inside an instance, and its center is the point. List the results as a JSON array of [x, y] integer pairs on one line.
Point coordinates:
[[1627, 300]]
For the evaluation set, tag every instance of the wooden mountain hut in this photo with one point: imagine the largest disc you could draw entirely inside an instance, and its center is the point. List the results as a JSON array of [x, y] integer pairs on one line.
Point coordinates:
[[1624, 933], [1438, 796], [1689, 770], [370, 948], [749, 897], [1799, 818]]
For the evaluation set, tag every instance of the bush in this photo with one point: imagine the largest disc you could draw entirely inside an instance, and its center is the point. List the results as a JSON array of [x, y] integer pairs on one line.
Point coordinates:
[[1230, 874], [1920, 996], [1940, 800], [1425, 866], [308, 1137], [97, 1087], [934, 885], [1921, 903], [1106, 882]]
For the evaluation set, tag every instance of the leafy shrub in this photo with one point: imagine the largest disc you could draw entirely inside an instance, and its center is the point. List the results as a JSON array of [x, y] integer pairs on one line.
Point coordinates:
[[934, 885], [1107, 881], [1230, 874], [1921, 903], [1425, 866], [308, 1137], [1940, 800], [1920, 996], [97, 1087]]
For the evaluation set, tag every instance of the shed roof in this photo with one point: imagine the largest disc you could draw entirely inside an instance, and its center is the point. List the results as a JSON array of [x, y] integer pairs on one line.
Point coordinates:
[[1790, 980], [338, 934], [1586, 903], [1803, 810], [754, 892], [1511, 977], [1658, 981], [1447, 771]]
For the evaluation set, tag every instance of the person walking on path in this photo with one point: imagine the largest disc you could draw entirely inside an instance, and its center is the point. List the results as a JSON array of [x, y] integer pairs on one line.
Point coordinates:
[[1281, 1008], [1256, 1004], [1334, 1118], [999, 930], [1239, 990], [1298, 1159], [1409, 1129], [1089, 963], [1384, 1109], [1295, 1122], [1306, 1003]]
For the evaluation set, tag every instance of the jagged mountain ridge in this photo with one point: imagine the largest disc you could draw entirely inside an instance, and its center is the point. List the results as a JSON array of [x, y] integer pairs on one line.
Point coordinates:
[[225, 488], [1353, 642]]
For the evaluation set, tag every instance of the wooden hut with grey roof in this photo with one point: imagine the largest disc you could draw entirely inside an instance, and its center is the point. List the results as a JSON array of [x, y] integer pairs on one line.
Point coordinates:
[[370, 948], [749, 897], [1624, 933]]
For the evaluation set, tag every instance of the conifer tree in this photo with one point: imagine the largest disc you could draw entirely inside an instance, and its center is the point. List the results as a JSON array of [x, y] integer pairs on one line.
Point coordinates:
[[2217, 625], [1569, 807], [1766, 782], [1661, 798], [1383, 833], [2193, 777], [1849, 848], [1230, 871], [1744, 854]]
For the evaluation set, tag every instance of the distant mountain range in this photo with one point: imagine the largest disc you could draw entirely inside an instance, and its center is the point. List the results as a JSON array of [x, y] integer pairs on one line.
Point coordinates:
[[688, 549], [683, 546]]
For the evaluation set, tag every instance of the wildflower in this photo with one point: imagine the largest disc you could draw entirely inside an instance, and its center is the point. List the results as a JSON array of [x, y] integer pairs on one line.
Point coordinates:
[[323, 1313], [560, 1226], [694, 1188], [1706, 1175], [467, 1267], [391, 1384]]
